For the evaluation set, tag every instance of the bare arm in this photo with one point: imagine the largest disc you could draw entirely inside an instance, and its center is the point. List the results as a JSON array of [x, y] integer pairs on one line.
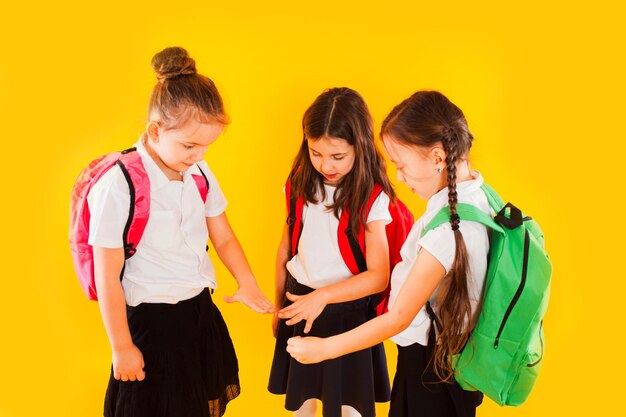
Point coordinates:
[[127, 359], [231, 254], [282, 257], [374, 280], [420, 284]]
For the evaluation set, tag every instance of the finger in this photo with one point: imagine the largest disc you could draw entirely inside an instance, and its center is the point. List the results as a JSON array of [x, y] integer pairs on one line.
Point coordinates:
[[232, 299], [292, 297], [295, 320], [287, 309], [288, 313], [117, 375], [264, 304], [141, 375], [293, 340], [125, 377], [132, 378], [292, 345], [308, 325]]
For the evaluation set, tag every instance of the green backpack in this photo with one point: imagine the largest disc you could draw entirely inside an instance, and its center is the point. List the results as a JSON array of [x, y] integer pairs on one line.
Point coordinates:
[[504, 352]]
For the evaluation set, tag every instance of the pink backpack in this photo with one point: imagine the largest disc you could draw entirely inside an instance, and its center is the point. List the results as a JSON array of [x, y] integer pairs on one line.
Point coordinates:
[[130, 163]]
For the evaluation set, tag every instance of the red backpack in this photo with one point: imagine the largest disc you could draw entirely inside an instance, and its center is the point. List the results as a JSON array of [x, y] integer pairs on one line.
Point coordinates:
[[353, 250], [130, 163]]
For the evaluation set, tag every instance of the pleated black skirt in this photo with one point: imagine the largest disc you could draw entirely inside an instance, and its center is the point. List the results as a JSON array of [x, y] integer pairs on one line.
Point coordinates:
[[417, 392], [358, 379], [190, 362]]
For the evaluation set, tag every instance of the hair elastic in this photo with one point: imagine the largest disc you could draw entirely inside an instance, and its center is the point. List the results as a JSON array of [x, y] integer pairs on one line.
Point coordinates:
[[454, 221]]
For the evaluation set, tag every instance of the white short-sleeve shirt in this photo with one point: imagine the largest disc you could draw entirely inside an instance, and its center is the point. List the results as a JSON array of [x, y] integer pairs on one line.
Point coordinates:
[[171, 263], [441, 244], [318, 262]]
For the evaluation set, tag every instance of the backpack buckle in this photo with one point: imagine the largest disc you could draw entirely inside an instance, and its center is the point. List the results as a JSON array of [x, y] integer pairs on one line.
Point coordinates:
[[514, 218], [291, 220], [129, 250]]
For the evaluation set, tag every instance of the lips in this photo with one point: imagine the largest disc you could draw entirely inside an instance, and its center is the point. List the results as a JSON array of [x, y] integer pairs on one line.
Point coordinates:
[[330, 176]]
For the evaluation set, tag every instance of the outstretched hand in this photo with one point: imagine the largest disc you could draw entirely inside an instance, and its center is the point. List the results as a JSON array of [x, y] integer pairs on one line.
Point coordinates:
[[308, 349], [253, 297], [305, 307]]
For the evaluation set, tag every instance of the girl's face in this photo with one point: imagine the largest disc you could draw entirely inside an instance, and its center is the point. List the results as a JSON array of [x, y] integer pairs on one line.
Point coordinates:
[[421, 169], [178, 149], [332, 157]]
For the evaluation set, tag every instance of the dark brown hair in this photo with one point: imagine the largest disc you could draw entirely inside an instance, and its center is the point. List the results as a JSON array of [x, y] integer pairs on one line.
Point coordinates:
[[341, 113], [424, 120], [181, 93]]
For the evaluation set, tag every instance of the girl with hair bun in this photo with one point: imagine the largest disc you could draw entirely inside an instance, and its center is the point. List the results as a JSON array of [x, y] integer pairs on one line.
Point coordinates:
[[171, 351], [442, 273]]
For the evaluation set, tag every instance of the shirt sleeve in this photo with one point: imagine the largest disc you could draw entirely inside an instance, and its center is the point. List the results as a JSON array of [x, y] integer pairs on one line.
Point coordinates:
[[380, 209], [440, 243], [216, 200], [109, 205]]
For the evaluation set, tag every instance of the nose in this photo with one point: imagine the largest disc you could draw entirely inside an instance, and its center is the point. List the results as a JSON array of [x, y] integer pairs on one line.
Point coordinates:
[[325, 166], [198, 155]]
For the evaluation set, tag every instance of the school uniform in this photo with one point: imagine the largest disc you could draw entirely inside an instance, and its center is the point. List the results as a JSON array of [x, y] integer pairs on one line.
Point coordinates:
[[416, 389], [190, 363], [358, 379]]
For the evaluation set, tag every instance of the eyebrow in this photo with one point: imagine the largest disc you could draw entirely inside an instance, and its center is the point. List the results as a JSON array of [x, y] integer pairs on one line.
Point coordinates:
[[334, 154]]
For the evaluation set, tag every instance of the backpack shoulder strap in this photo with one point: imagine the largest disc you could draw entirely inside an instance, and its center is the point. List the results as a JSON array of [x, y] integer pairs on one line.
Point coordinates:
[[494, 199], [139, 188], [353, 248], [202, 182], [294, 217], [466, 212]]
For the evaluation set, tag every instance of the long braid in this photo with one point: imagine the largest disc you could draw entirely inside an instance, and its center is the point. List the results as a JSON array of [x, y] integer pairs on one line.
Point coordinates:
[[450, 146], [454, 305]]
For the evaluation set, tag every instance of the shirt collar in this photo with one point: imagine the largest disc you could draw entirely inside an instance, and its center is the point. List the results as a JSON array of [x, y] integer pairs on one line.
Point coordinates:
[[156, 176], [463, 189]]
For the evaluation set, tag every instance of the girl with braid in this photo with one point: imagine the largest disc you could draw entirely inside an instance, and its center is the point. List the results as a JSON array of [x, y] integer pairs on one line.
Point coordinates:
[[436, 289]]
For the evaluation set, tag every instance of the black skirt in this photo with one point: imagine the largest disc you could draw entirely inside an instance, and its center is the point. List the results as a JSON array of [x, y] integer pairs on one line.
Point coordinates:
[[190, 362], [358, 379], [418, 392]]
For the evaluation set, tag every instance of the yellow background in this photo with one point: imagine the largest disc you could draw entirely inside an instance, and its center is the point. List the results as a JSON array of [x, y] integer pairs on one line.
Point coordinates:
[[540, 82]]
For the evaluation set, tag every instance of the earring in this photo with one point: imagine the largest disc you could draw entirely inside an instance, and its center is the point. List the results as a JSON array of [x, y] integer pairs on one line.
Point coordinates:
[[438, 170]]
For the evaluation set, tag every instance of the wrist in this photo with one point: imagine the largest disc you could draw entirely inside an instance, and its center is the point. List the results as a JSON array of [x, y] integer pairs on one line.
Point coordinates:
[[324, 294], [329, 348], [246, 281], [119, 347]]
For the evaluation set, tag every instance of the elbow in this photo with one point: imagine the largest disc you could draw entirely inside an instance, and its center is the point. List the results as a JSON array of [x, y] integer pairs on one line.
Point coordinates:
[[401, 318], [381, 280]]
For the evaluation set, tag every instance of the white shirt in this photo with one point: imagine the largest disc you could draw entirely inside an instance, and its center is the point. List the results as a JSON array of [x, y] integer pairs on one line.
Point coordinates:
[[440, 243], [318, 262], [171, 263]]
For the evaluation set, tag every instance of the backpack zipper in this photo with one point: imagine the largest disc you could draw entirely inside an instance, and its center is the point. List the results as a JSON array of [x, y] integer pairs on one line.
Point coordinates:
[[518, 293]]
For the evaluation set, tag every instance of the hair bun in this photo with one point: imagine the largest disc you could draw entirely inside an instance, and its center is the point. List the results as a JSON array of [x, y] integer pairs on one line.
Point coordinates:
[[172, 62]]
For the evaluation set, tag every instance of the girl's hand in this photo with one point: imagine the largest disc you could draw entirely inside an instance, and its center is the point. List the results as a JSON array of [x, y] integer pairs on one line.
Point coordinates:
[[252, 296], [128, 364], [309, 349], [305, 307]]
